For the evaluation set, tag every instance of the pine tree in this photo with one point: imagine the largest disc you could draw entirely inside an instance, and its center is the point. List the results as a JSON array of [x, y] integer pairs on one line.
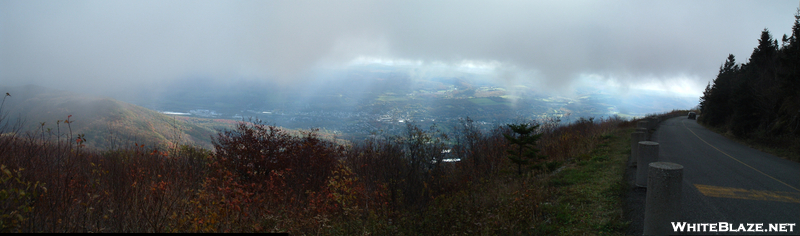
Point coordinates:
[[716, 107], [525, 140], [765, 53], [705, 99], [759, 97], [789, 79]]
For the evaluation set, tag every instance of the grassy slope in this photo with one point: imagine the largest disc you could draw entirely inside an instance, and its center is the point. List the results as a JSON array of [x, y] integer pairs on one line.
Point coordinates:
[[100, 119], [582, 198], [103, 120], [589, 192]]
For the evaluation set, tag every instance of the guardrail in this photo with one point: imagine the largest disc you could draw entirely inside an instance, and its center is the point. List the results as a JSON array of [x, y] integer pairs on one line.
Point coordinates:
[[663, 200], [662, 180], [636, 137], [648, 153]]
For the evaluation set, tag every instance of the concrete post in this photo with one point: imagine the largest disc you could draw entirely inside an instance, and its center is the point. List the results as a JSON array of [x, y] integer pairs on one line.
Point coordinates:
[[642, 124], [648, 152], [646, 134], [636, 137], [663, 201], [654, 122]]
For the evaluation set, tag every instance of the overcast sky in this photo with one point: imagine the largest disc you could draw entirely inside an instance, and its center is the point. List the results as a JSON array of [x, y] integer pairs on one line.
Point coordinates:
[[113, 45]]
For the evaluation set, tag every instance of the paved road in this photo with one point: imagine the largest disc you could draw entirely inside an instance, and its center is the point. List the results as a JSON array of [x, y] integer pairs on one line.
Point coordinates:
[[724, 181]]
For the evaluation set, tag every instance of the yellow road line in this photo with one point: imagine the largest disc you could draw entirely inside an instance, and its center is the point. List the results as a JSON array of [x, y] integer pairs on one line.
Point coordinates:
[[738, 193], [765, 174]]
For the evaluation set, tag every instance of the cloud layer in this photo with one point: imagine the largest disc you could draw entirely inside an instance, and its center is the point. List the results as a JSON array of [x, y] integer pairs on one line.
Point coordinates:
[[113, 45]]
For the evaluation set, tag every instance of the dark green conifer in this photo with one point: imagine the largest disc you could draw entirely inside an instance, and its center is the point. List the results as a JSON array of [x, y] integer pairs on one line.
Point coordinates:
[[523, 151]]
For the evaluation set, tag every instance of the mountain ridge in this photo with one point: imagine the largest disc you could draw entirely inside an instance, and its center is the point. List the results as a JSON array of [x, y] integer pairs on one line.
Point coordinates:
[[105, 122]]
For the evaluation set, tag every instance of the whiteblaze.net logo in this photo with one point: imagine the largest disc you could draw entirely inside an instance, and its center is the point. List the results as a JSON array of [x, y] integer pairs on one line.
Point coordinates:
[[728, 227]]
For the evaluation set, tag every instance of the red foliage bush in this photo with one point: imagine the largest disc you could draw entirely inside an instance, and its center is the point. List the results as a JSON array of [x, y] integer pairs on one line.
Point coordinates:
[[255, 152]]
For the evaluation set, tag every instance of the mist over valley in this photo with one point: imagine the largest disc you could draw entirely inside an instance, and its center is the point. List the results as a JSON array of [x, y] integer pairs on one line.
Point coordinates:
[[404, 117], [370, 98]]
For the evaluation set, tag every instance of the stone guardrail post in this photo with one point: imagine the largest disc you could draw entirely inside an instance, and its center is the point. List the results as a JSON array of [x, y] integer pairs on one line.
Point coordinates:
[[646, 134], [654, 122], [663, 200], [648, 152], [636, 137], [642, 124]]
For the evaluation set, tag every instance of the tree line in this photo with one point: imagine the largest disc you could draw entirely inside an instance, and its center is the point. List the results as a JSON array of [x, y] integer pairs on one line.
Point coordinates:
[[758, 99]]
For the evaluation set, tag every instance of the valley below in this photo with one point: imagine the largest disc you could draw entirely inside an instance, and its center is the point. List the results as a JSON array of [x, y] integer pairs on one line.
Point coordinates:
[[352, 105]]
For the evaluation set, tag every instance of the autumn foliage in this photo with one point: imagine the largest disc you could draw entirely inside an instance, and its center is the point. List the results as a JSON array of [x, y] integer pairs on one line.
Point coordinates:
[[259, 178]]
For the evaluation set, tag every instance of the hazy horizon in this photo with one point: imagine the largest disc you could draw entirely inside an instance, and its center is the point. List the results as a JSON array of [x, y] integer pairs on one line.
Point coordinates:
[[122, 48]]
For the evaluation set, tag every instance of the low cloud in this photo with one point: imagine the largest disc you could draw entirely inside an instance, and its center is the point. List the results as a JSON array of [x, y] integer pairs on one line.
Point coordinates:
[[125, 45]]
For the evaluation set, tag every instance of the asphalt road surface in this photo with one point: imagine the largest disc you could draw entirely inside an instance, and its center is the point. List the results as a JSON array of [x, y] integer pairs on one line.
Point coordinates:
[[723, 181]]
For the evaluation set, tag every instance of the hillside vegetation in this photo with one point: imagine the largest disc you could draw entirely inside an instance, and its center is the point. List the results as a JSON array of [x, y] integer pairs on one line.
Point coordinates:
[[260, 178], [105, 123], [759, 101]]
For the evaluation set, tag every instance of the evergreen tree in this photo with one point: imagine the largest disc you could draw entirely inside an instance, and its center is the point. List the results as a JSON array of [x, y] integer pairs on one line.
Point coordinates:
[[762, 82], [715, 104], [761, 96], [525, 152], [789, 79], [704, 99], [765, 53], [745, 113]]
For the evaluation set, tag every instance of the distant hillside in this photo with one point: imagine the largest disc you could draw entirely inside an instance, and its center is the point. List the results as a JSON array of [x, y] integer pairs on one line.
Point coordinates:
[[104, 121]]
